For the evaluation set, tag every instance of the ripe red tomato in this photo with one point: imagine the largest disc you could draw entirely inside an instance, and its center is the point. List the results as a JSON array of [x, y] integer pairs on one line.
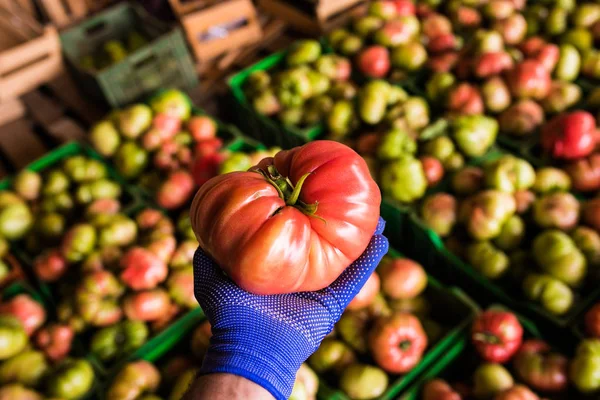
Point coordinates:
[[142, 269], [405, 8], [176, 190], [207, 167], [592, 321], [397, 342], [443, 62], [366, 294], [496, 335], [517, 392], [202, 128], [50, 266], [149, 305], [374, 61], [55, 341], [31, 313], [292, 223], [209, 146], [529, 79], [166, 125], [585, 173], [402, 278], [433, 168], [540, 368], [465, 99], [439, 389]]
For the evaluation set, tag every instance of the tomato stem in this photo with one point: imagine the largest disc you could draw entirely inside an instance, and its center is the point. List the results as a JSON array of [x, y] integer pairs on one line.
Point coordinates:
[[405, 344], [296, 192], [288, 192]]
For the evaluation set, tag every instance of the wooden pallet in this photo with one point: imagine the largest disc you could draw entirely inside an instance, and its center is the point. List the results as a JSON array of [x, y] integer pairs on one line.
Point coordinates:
[[41, 120]]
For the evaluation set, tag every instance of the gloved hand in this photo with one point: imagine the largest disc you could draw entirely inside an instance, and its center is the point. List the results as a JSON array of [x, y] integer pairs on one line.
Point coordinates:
[[266, 338]]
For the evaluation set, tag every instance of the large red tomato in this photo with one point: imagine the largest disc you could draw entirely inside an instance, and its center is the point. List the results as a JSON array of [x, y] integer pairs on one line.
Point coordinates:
[[496, 335], [397, 342], [292, 223]]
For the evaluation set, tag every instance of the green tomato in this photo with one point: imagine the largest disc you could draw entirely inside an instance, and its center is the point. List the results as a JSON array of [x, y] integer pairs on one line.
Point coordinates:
[[585, 367], [404, 179], [488, 260], [361, 381], [72, 379], [13, 338], [474, 134], [27, 368], [395, 144]]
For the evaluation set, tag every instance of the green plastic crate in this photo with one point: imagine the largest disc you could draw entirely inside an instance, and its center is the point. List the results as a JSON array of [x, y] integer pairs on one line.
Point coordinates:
[[453, 356], [158, 345], [56, 156], [407, 233], [450, 306], [129, 197], [17, 288], [163, 62], [262, 128], [161, 345]]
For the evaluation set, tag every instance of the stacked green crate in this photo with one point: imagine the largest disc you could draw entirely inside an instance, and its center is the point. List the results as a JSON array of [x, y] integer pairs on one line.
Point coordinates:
[[160, 59]]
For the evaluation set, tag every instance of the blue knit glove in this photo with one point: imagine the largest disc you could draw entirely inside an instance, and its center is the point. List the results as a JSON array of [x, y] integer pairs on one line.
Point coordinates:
[[266, 338]]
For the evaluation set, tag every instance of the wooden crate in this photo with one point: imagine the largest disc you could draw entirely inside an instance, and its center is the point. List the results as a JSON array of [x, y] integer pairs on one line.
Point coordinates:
[[64, 12], [23, 6], [42, 119], [29, 55], [199, 24], [314, 19], [183, 7]]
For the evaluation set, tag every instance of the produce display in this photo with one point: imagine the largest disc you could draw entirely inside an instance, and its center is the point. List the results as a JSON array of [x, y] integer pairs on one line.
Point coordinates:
[[506, 360], [170, 376], [386, 331], [167, 149], [476, 121], [37, 357], [113, 51], [520, 226], [120, 293]]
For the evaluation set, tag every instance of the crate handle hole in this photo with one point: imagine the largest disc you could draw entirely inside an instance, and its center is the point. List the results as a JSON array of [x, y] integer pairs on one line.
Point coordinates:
[[96, 29], [223, 30], [145, 61]]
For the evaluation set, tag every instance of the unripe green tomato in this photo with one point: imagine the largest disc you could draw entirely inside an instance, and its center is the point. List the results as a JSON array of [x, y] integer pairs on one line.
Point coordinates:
[[569, 63], [556, 23], [410, 56]]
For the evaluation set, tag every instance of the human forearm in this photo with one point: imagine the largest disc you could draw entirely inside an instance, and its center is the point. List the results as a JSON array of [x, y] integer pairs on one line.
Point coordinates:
[[225, 387]]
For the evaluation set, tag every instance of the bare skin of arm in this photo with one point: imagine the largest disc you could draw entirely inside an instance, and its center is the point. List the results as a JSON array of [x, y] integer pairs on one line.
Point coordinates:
[[225, 387]]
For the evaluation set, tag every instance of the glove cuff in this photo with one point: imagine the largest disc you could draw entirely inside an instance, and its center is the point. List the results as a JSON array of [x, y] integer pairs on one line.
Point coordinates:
[[251, 367], [261, 349]]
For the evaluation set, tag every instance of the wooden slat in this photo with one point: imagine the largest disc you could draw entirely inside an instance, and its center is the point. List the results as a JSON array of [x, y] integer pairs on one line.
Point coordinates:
[[42, 109], [66, 129], [3, 171], [11, 110], [19, 143], [64, 88]]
